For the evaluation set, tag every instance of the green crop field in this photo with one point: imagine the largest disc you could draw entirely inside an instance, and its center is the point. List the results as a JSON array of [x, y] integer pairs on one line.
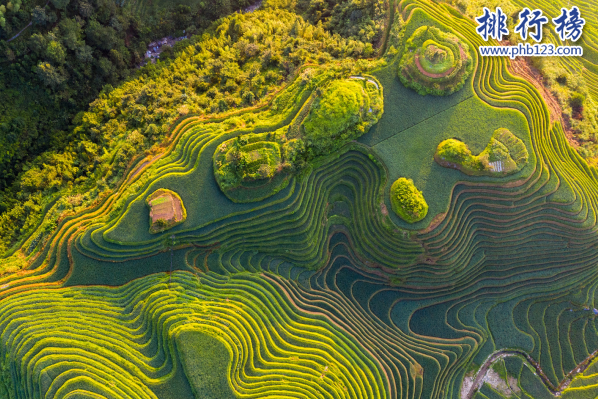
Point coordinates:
[[367, 229]]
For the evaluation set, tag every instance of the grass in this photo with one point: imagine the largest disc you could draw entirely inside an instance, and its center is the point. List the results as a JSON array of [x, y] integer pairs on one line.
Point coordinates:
[[205, 361], [410, 153]]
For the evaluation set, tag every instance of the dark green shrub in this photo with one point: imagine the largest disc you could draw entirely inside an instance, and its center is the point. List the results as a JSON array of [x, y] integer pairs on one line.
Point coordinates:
[[577, 100]]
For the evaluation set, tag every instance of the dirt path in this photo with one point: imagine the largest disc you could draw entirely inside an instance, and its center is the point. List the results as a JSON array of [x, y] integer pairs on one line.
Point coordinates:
[[389, 22], [520, 66], [139, 168], [19, 34], [362, 78], [479, 378]]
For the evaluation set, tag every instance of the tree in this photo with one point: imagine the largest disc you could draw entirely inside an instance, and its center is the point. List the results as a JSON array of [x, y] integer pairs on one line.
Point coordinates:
[[117, 24], [52, 171], [577, 100], [85, 9], [37, 43], [152, 131], [102, 37], [84, 53], [105, 67], [249, 97], [182, 16], [50, 75], [55, 52], [167, 53], [60, 4], [38, 16], [71, 33], [117, 59]]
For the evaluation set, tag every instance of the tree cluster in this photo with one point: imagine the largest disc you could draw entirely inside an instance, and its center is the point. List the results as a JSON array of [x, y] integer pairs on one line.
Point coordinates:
[[56, 57], [363, 20]]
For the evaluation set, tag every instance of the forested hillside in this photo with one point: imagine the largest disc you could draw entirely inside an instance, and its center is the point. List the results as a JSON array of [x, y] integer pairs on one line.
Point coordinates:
[[363, 20], [56, 56], [237, 63]]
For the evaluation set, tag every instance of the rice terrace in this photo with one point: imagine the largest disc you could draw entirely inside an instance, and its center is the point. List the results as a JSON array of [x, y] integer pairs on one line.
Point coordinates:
[[298, 199]]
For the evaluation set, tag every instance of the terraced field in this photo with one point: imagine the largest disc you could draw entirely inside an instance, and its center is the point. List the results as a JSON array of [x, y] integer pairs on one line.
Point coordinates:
[[587, 66], [319, 290]]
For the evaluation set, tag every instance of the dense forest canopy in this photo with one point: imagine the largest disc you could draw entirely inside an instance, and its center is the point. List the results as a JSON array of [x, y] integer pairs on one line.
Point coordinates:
[[55, 57], [363, 20]]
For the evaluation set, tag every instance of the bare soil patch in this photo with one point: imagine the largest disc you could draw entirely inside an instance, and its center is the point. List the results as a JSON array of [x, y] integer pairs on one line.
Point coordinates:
[[166, 210], [436, 220], [438, 75], [522, 67], [431, 75]]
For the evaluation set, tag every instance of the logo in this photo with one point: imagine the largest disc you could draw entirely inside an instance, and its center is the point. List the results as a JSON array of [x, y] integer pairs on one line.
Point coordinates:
[[569, 25]]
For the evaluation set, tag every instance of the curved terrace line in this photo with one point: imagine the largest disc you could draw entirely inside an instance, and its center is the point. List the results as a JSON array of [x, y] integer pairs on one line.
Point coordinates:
[[555, 390]]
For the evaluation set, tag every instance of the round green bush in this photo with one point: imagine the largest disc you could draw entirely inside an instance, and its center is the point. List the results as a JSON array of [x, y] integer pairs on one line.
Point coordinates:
[[332, 115], [407, 201], [435, 62]]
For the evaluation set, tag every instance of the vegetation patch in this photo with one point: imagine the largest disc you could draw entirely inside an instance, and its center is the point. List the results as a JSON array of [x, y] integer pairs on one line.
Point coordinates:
[[261, 164], [205, 361], [435, 62], [251, 162], [166, 210], [363, 21], [407, 201], [504, 154], [344, 112]]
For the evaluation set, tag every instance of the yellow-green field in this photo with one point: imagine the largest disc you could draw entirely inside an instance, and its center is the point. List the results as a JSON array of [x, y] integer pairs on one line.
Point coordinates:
[[304, 283]]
